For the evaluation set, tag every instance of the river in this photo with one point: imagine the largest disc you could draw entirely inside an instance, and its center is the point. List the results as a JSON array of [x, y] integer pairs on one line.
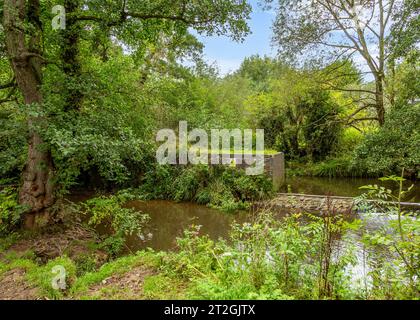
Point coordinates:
[[169, 219], [345, 187]]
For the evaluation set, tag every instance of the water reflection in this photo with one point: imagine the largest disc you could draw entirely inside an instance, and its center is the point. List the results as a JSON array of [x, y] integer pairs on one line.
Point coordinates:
[[345, 187], [170, 219]]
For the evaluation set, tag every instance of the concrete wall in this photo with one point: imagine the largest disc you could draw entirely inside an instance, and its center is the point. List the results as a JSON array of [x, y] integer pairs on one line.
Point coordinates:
[[274, 167]]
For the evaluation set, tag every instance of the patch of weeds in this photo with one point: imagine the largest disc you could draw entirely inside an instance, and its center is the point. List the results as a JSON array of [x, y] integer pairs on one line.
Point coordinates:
[[42, 277], [113, 245], [119, 266], [85, 263], [163, 287], [8, 241]]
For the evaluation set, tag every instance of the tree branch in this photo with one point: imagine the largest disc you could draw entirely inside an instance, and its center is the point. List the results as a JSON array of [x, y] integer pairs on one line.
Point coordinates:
[[127, 14], [351, 90], [10, 84], [362, 119]]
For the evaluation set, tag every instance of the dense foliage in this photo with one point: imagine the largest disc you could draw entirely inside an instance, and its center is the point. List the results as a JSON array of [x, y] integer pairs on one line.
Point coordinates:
[[394, 146], [80, 109], [10, 211], [125, 96], [219, 187]]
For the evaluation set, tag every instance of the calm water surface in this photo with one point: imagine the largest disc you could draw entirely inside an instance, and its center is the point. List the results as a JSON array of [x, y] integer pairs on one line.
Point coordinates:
[[345, 187], [169, 219]]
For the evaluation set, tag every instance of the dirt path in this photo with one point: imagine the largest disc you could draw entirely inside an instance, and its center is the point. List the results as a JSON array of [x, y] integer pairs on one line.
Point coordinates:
[[72, 241], [13, 286], [127, 286]]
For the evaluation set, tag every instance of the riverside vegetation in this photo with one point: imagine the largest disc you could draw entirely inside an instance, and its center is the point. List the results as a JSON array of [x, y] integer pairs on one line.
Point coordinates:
[[301, 256]]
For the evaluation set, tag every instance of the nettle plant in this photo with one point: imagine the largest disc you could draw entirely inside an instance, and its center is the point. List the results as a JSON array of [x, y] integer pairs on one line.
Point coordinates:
[[393, 249], [269, 259]]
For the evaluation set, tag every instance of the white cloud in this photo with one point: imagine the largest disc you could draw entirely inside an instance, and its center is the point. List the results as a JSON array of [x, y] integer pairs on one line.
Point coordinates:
[[227, 66]]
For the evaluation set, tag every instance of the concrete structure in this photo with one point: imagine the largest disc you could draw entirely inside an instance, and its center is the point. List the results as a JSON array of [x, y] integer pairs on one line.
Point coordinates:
[[318, 203], [274, 167]]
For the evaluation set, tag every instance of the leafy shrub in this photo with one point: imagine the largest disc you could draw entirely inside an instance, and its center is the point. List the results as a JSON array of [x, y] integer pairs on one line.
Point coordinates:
[[189, 181], [109, 211], [157, 182], [216, 186], [267, 259], [10, 211], [394, 146], [85, 263]]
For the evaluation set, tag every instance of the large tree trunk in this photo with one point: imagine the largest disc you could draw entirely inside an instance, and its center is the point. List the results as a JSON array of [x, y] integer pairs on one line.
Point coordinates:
[[380, 105], [37, 189], [23, 50]]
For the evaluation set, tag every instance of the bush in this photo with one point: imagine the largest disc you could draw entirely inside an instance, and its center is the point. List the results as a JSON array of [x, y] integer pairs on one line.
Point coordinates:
[[394, 146], [267, 259], [122, 221], [219, 187]]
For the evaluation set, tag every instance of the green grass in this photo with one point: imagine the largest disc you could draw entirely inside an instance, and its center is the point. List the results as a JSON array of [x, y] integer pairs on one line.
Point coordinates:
[[163, 287], [116, 267], [16, 263], [156, 285], [42, 276]]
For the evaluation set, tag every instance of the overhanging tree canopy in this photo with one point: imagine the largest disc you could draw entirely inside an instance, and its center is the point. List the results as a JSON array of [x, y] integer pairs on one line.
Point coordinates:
[[337, 30], [31, 45]]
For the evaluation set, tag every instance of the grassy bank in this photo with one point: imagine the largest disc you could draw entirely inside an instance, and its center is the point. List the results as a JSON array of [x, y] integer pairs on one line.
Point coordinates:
[[266, 259], [302, 256]]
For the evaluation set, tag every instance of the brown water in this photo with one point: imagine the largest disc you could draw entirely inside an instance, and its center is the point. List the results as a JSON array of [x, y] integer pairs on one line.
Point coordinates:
[[168, 220]]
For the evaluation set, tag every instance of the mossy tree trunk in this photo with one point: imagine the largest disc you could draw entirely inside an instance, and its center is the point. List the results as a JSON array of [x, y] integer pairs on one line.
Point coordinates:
[[23, 48]]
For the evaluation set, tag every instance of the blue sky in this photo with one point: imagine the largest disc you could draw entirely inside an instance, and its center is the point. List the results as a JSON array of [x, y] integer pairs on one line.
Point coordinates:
[[228, 54]]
